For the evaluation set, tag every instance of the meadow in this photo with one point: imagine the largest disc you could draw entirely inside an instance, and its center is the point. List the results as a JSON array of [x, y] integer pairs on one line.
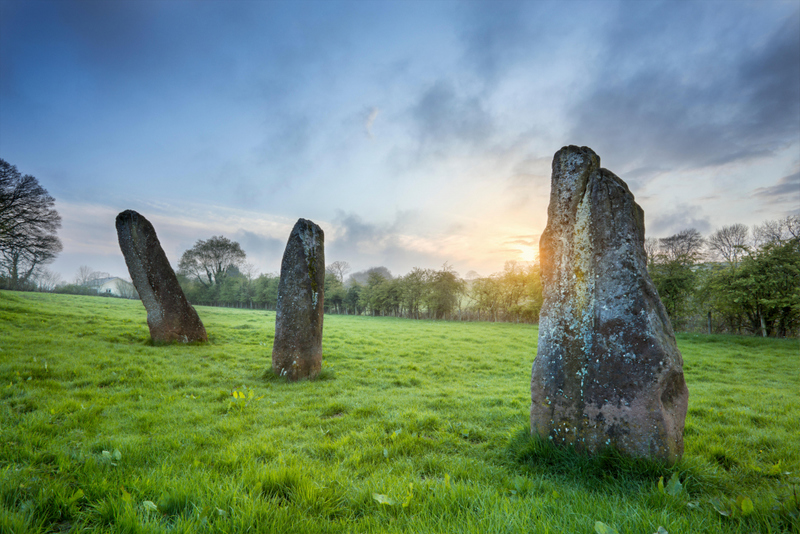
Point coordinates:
[[413, 426]]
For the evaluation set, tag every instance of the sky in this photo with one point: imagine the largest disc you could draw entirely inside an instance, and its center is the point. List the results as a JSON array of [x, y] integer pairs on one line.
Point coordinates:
[[415, 133]]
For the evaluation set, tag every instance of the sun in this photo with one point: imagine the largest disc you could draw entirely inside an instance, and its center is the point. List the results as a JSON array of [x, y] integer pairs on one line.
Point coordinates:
[[528, 253]]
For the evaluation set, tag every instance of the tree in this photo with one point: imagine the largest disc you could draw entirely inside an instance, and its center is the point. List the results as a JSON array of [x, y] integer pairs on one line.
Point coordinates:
[[767, 287], [445, 289], [86, 275], [777, 231], [28, 226], [334, 292], [208, 261], [651, 249], [339, 269], [673, 271], [83, 275], [126, 289], [352, 301], [414, 290], [47, 280], [685, 247], [730, 243]]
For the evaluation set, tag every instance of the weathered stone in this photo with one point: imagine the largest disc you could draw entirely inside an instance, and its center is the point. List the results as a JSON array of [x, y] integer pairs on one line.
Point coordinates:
[[169, 315], [607, 372], [297, 350]]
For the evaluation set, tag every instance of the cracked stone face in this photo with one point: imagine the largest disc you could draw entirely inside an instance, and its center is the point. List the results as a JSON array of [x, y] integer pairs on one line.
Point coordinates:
[[297, 349], [170, 317], [607, 372]]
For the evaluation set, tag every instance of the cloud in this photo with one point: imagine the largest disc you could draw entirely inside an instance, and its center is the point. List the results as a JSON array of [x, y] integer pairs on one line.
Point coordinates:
[[494, 35], [370, 120], [445, 118], [666, 99], [262, 250], [525, 240], [788, 185], [784, 192], [680, 217]]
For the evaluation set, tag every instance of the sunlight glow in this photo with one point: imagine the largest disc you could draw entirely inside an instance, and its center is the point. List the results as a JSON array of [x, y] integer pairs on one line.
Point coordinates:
[[528, 253]]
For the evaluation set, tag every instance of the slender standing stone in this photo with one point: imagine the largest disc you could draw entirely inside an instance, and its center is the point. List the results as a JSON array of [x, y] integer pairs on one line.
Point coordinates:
[[170, 317], [608, 372], [297, 350]]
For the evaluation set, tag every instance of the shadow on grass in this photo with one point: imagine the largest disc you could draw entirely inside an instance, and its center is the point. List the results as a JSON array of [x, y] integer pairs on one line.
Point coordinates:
[[269, 376], [175, 343], [609, 466]]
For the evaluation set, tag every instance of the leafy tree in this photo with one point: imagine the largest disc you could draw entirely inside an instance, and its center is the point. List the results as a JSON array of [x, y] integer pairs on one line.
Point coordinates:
[[414, 290], [445, 290], [208, 262], [28, 226], [767, 286], [352, 301], [673, 272], [485, 293], [376, 296], [335, 292], [267, 290]]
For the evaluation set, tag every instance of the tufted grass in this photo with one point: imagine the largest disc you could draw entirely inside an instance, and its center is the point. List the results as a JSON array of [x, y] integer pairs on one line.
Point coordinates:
[[414, 426]]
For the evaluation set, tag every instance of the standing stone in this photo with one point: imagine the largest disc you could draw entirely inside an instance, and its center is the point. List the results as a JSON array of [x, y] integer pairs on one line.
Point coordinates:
[[169, 315], [297, 350], [608, 372]]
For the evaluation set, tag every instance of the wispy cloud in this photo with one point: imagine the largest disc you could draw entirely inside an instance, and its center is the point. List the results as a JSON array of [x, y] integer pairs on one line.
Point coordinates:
[[784, 192], [370, 120]]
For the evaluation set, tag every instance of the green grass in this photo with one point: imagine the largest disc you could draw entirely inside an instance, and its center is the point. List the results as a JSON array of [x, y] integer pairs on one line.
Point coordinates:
[[413, 426]]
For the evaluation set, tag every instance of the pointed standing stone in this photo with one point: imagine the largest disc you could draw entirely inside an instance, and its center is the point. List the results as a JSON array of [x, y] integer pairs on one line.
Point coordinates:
[[297, 349], [169, 315], [607, 372]]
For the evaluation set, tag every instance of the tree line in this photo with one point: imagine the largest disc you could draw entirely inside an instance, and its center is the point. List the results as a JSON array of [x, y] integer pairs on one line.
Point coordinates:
[[737, 280]]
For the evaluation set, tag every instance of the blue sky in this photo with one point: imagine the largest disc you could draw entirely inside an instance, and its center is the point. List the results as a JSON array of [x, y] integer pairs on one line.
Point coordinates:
[[415, 133]]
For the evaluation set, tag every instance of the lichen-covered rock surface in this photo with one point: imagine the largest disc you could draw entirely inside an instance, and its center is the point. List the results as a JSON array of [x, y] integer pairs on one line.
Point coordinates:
[[607, 372], [297, 349], [170, 317]]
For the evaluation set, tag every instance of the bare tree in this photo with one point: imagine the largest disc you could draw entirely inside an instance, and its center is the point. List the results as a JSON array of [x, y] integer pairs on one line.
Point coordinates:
[[730, 243], [86, 275], [83, 275], [778, 231], [249, 271], [28, 225], [47, 280], [685, 247], [126, 289], [651, 249], [339, 269]]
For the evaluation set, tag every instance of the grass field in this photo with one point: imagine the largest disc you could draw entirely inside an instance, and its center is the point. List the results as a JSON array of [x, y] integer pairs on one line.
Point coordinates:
[[414, 426]]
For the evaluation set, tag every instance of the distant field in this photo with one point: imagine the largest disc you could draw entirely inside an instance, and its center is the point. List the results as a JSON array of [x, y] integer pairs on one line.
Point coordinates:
[[414, 426]]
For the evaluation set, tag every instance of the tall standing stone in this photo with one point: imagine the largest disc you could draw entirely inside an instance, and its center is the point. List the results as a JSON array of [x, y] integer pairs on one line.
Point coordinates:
[[297, 350], [169, 315], [608, 372]]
